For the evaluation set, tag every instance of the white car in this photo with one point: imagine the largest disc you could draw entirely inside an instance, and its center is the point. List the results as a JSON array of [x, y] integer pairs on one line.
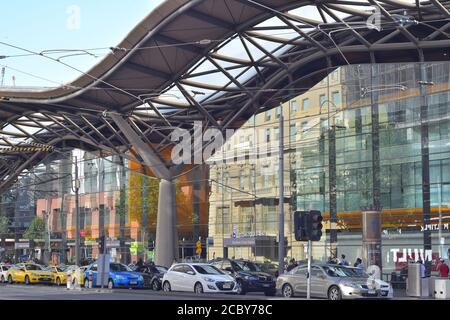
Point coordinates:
[[3, 270], [198, 278]]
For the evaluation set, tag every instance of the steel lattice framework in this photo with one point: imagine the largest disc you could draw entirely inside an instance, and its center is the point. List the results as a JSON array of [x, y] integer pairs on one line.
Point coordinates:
[[186, 46]]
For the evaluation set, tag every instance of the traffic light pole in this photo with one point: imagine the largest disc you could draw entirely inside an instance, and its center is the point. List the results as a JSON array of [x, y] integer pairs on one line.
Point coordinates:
[[77, 218], [281, 244], [308, 290]]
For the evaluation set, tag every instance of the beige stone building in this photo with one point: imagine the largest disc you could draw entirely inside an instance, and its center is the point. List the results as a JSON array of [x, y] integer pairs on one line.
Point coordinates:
[[244, 200]]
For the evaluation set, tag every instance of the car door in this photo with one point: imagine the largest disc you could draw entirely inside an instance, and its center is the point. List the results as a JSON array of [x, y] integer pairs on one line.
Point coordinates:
[[175, 277], [299, 280], [189, 280], [318, 282]]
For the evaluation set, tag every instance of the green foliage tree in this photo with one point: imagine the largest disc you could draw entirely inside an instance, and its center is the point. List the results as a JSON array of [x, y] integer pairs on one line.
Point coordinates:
[[36, 230]]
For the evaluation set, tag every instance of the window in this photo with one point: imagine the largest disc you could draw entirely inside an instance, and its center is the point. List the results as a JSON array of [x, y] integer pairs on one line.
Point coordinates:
[[268, 115], [178, 269], [293, 129], [304, 126], [278, 112], [335, 75], [242, 179], [250, 140], [306, 104], [277, 134], [336, 97], [241, 139], [268, 135], [322, 100], [294, 106]]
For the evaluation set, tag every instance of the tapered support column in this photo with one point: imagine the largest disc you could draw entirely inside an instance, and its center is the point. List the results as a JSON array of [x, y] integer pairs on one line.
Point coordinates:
[[166, 232]]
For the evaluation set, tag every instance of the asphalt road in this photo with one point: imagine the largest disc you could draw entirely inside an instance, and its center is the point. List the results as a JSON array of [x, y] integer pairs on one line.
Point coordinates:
[[42, 292]]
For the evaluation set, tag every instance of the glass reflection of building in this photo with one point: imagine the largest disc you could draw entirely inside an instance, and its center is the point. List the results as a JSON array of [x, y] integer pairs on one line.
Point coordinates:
[[361, 133]]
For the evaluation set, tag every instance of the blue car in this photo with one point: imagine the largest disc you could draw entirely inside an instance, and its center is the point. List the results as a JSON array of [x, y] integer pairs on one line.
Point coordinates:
[[120, 276]]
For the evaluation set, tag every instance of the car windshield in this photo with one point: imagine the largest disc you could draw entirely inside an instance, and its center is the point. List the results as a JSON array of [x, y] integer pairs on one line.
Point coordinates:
[[60, 269], [6, 267], [161, 269], [358, 273], [208, 270], [335, 271], [245, 266], [117, 267], [33, 267]]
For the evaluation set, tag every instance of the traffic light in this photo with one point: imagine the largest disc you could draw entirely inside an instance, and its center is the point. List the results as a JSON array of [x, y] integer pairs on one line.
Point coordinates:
[[315, 225], [300, 225], [101, 244], [308, 225]]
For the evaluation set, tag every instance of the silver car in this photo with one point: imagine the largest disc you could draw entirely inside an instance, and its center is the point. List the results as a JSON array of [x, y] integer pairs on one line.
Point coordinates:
[[331, 281]]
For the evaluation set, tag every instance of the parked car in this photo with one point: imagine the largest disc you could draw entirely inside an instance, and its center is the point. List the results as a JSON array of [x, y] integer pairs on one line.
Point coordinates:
[[269, 267], [120, 276], [3, 271], [248, 276], [331, 281], [76, 275], [28, 273], [198, 278], [59, 275], [153, 276]]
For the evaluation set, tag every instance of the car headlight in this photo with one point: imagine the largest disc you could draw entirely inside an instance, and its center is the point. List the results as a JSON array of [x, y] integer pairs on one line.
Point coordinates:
[[351, 285], [120, 277], [141, 278], [209, 280], [251, 278]]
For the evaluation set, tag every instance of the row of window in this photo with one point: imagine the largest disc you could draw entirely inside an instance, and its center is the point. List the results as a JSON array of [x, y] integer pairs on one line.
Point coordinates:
[[306, 105]]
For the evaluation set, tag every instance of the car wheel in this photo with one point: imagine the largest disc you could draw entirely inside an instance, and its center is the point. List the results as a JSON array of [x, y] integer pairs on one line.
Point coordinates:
[[240, 288], [110, 284], [166, 287], [334, 293], [58, 282], [27, 280], [198, 289], [155, 285], [288, 291]]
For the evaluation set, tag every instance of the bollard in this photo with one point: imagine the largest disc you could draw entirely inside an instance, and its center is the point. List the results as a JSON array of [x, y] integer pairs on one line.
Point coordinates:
[[90, 280], [69, 281]]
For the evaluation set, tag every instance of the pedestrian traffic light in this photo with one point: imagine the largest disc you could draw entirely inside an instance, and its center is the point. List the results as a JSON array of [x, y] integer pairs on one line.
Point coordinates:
[[315, 225], [101, 244], [300, 225]]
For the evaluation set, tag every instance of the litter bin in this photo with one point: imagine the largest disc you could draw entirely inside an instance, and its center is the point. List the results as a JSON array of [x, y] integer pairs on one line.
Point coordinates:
[[415, 285]]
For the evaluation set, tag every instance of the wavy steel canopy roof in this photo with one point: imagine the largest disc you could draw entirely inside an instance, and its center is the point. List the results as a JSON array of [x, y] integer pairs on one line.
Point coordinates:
[[174, 68]]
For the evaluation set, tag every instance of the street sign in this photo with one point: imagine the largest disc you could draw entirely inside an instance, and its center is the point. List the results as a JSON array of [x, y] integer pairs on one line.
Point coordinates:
[[199, 248]]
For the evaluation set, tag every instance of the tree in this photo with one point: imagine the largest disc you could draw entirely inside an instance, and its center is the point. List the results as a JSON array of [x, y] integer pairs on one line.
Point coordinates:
[[36, 230]]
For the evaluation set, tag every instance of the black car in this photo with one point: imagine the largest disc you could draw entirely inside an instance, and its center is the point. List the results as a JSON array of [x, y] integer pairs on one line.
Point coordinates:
[[153, 275], [248, 275]]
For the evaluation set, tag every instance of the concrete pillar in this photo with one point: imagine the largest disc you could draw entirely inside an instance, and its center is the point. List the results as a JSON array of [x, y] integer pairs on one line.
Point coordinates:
[[166, 232]]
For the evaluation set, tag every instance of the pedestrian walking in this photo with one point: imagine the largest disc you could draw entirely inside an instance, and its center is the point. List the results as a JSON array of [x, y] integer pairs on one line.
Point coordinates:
[[292, 264], [422, 268], [443, 269], [359, 264], [343, 261]]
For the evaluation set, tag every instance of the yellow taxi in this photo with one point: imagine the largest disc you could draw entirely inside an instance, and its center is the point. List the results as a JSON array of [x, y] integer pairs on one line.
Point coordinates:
[[76, 275], [59, 275], [28, 273]]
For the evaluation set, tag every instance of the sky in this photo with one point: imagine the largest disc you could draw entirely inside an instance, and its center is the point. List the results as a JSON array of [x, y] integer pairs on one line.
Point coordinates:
[[40, 25]]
